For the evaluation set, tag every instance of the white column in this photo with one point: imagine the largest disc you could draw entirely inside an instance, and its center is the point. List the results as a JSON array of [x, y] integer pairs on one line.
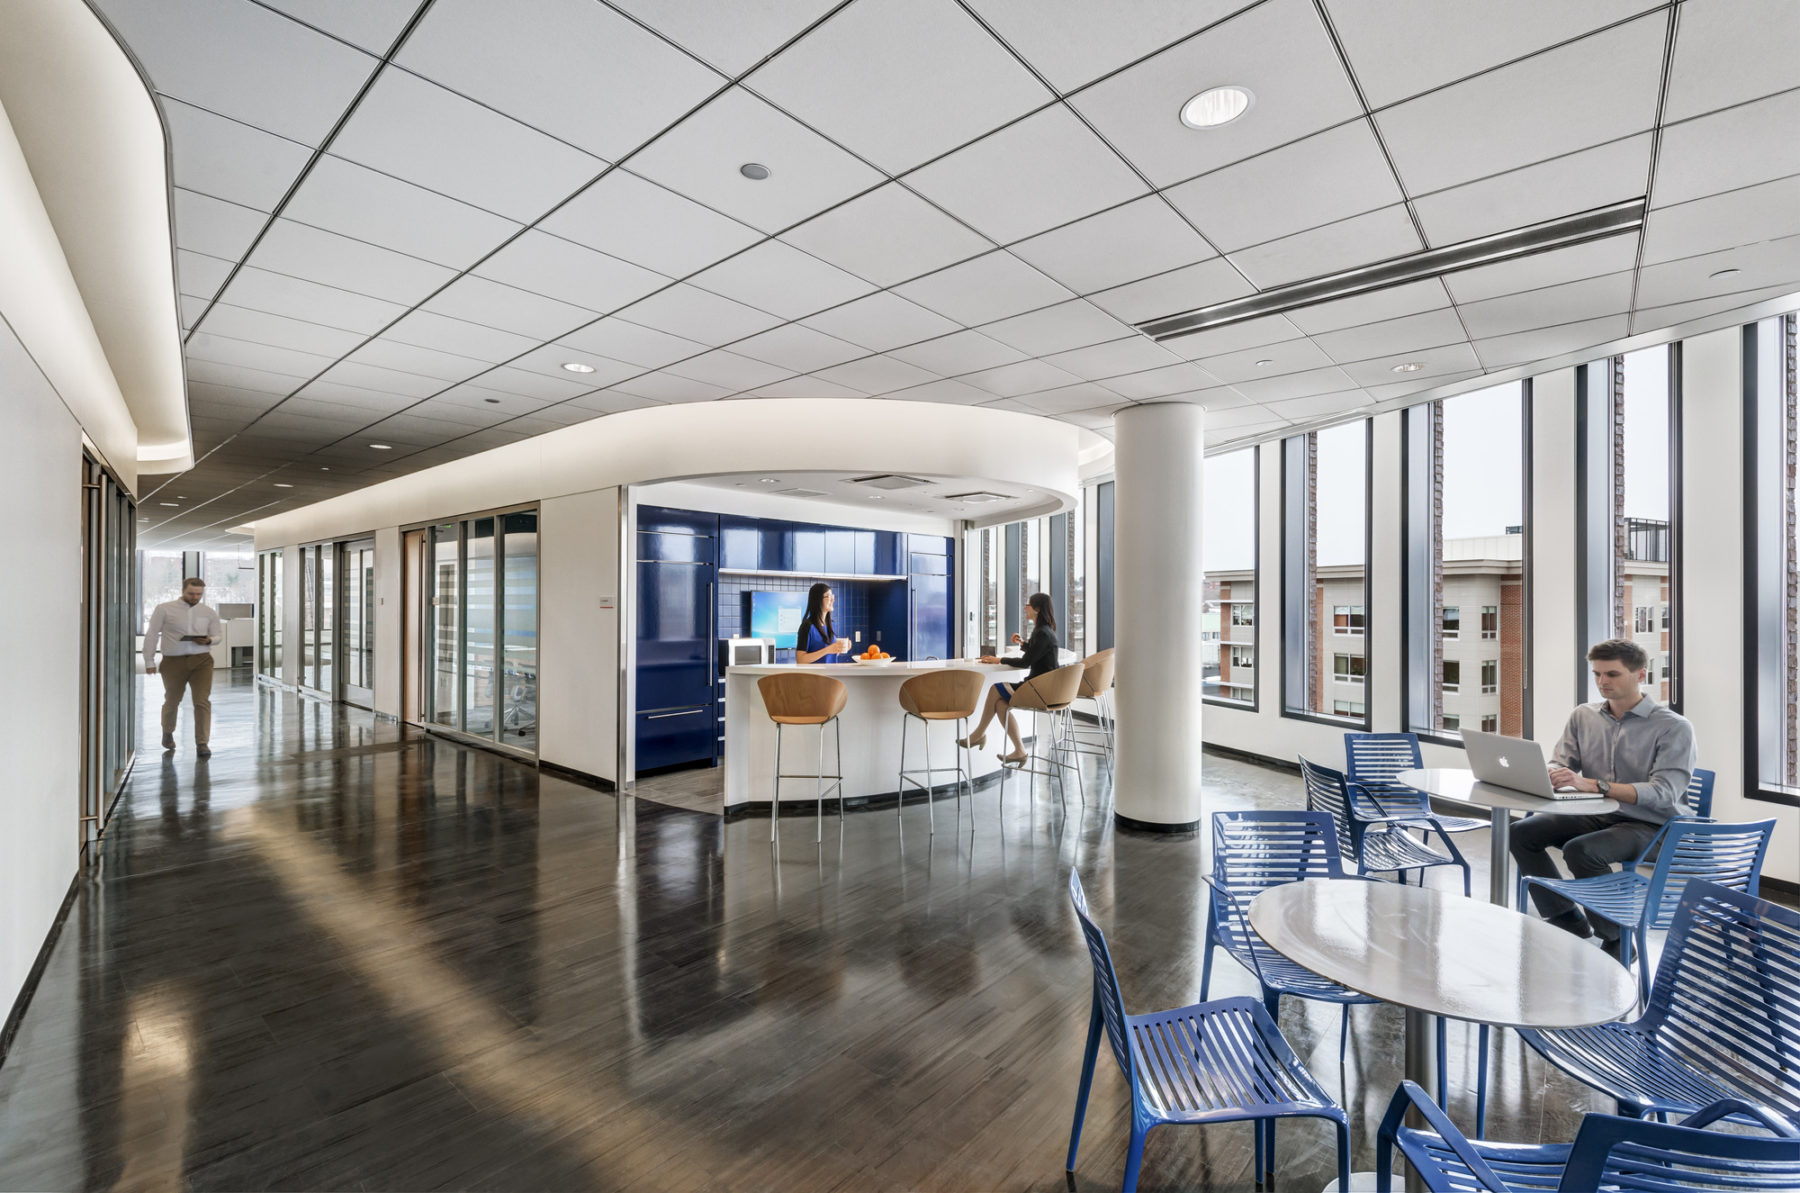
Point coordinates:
[[1158, 602]]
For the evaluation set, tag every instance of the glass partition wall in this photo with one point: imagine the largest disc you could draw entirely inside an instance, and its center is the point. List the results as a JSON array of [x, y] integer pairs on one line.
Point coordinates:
[[269, 614], [356, 599], [481, 622], [318, 619]]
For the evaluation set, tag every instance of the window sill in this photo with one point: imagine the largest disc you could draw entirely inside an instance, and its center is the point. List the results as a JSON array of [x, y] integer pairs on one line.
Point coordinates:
[[1221, 702], [1317, 718]]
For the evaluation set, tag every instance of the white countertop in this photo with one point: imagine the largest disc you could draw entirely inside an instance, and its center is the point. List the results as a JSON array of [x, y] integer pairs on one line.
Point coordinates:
[[849, 670]]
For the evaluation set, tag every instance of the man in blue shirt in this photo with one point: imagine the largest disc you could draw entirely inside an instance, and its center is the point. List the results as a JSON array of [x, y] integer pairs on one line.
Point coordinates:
[[1626, 747]]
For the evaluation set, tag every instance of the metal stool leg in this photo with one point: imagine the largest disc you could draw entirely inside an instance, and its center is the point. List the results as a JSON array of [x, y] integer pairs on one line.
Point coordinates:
[[900, 783], [819, 774], [775, 793], [837, 733], [930, 817]]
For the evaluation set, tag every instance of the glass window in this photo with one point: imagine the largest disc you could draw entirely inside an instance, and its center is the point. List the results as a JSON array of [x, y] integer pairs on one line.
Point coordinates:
[[1490, 724], [1324, 564], [445, 632], [309, 617], [1346, 708], [1642, 538], [1772, 414], [991, 549], [1229, 515], [159, 581], [478, 627], [230, 577], [518, 689], [1464, 548], [1077, 609]]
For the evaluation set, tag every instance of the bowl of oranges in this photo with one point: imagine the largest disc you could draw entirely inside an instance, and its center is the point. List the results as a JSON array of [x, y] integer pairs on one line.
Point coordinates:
[[873, 657]]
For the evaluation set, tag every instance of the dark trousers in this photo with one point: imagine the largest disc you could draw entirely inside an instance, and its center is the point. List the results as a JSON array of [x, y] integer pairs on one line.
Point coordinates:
[[1590, 844]]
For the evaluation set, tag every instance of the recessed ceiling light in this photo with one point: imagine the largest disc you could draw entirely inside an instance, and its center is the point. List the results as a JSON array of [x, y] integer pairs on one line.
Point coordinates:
[[382, 447], [1411, 366], [877, 497], [575, 366], [771, 480], [1263, 364], [1725, 273], [170, 504], [324, 468], [283, 485], [754, 171], [1220, 105], [492, 401]]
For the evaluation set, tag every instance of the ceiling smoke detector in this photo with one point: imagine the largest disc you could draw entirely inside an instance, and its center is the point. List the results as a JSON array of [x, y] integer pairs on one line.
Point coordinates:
[[979, 497], [754, 171], [890, 480]]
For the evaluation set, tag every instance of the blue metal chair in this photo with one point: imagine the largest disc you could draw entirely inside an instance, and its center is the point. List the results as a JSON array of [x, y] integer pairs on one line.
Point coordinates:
[[1371, 762], [1699, 793], [1214, 1062], [1609, 1152], [1685, 850], [1723, 1019], [1378, 842], [1253, 851]]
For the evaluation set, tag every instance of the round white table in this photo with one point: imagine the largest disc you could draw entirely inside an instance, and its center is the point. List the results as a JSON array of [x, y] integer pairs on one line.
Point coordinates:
[[1501, 802], [1437, 953]]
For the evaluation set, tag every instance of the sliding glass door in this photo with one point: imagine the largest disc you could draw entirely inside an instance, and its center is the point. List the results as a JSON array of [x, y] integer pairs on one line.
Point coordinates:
[[269, 614], [481, 622], [356, 599]]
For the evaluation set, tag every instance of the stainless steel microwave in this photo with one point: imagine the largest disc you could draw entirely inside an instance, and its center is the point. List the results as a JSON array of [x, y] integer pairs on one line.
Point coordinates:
[[747, 652]]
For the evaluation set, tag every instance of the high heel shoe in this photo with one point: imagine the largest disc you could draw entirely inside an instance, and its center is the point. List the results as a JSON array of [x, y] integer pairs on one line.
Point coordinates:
[[1016, 758], [972, 743]]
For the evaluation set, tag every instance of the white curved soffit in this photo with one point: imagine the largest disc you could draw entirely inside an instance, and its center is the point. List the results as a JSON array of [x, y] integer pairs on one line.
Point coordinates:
[[94, 142], [665, 443]]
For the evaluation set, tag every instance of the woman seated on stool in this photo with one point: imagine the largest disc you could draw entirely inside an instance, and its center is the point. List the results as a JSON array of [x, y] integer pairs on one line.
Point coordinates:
[[1039, 656], [817, 641]]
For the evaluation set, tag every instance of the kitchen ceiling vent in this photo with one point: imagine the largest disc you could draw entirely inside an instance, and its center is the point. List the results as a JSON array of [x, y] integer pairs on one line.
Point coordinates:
[[979, 497], [801, 492], [891, 480]]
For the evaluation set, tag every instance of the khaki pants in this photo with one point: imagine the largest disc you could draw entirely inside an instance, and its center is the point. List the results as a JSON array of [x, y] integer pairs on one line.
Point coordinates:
[[195, 673]]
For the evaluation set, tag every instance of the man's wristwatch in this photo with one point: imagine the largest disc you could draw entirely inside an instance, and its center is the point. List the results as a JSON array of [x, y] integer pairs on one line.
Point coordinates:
[[1603, 787]]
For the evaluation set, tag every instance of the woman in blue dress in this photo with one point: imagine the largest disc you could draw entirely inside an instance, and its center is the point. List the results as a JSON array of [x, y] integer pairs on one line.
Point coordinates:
[[817, 640]]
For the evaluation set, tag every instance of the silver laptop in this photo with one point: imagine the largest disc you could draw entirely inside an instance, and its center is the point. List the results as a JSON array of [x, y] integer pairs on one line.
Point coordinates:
[[1514, 763]]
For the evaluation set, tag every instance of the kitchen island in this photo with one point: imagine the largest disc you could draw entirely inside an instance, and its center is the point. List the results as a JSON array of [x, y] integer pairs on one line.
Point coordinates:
[[870, 724]]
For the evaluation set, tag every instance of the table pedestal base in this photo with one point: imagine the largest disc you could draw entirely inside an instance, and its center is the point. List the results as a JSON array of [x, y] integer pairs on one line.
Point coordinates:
[[1421, 1070], [1500, 857]]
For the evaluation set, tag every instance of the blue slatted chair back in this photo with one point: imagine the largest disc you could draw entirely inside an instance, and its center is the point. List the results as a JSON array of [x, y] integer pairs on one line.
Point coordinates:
[[1726, 1000], [1699, 793], [1253, 851], [1327, 792], [1633, 1155], [1106, 982], [1378, 757], [1730, 855]]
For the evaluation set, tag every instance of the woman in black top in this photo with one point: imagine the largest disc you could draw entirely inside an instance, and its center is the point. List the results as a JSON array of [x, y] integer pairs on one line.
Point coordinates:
[[1038, 657]]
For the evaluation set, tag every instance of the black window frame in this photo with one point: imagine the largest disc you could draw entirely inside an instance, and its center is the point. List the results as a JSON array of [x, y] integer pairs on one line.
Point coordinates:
[[1764, 438]]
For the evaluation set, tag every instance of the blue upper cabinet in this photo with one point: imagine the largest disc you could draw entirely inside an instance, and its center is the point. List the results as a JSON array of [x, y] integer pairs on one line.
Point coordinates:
[[809, 550], [740, 544], [864, 562], [887, 553], [840, 552], [776, 546], [667, 521]]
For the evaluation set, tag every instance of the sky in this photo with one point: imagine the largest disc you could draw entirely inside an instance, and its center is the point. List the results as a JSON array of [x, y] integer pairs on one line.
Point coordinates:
[[1482, 471]]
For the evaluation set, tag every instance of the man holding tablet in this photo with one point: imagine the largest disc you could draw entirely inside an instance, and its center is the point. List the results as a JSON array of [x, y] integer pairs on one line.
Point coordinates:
[[185, 631], [1625, 747]]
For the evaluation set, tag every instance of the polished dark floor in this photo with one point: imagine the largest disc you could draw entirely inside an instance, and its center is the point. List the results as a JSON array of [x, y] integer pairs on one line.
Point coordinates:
[[343, 955]]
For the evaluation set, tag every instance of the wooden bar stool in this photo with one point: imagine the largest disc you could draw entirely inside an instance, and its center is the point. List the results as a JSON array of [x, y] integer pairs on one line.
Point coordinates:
[[938, 696], [1096, 685], [799, 698], [1051, 693]]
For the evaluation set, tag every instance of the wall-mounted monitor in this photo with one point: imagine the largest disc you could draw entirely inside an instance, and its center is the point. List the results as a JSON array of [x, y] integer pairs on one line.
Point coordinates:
[[776, 616]]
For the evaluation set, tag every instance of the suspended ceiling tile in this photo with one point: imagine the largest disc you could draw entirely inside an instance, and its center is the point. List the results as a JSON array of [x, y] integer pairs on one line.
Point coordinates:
[[1612, 255], [1284, 357], [1400, 389], [799, 348], [426, 329], [1237, 417], [475, 396], [576, 70], [478, 300], [1772, 263], [534, 383], [1184, 289], [667, 387], [1321, 405], [1399, 48], [198, 275], [700, 158], [217, 349], [279, 331], [243, 61], [415, 130], [609, 402], [984, 289], [1278, 50], [426, 362], [1411, 299], [1745, 145], [1730, 51], [370, 24], [875, 375], [1133, 354], [471, 417], [632, 343], [1743, 217], [1311, 383], [346, 263], [732, 37], [1159, 383], [947, 390], [914, 237], [1058, 328], [782, 280], [1028, 376], [388, 381], [1073, 42], [1550, 104], [959, 352], [928, 59], [1657, 318], [359, 397], [638, 221], [1570, 302], [1581, 181], [881, 321], [297, 298], [351, 200], [699, 315], [804, 387], [230, 160], [1441, 365], [1084, 395], [1250, 333], [1360, 240], [1545, 343], [558, 269], [1045, 170], [1257, 200], [728, 370], [214, 227], [1134, 240], [1410, 333], [550, 359]]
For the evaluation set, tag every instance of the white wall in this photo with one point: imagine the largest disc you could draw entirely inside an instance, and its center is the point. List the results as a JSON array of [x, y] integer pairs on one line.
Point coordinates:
[[390, 562], [40, 710], [578, 544], [749, 502]]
